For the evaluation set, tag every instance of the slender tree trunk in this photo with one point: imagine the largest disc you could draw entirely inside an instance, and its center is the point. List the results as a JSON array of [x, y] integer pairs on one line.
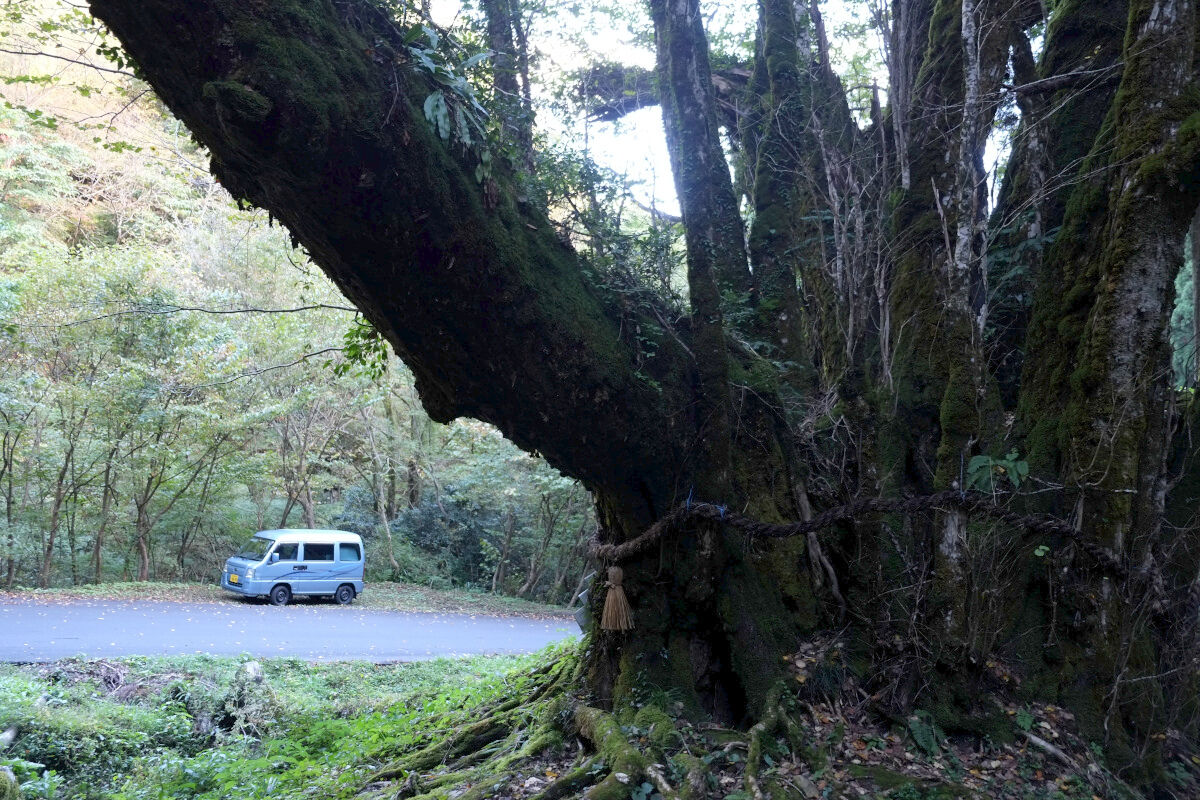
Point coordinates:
[[186, 536], [142, 527], [8, 447], [72, 546], [106, 498], [56, 506], [537, 566], [510, 526], [307, 505], [413, 494], [287, 509], [579, 587], [385, 526]]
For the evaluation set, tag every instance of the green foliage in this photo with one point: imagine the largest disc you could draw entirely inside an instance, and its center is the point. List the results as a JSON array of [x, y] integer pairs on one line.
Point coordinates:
[[644, 791], [183, 420], [36, 176], [926, 733], [1184, 347], [988, 474], [635, 256], [453, 107], [81, 740], [364, 351], [33, 779]]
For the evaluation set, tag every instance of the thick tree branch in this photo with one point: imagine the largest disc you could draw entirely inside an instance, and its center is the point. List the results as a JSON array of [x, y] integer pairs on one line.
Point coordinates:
[[1056, 82], [613, 91], [319, 120]]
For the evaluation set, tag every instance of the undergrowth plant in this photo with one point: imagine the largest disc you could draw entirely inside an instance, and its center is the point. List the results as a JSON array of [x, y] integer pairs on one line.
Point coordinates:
[[152, 727]]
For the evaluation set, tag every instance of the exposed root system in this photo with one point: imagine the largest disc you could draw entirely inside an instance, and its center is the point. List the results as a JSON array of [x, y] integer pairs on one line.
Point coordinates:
[[552, 745]]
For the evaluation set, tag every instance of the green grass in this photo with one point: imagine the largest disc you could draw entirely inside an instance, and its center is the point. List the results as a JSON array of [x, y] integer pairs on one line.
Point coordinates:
[[139, 728], [381, 595]]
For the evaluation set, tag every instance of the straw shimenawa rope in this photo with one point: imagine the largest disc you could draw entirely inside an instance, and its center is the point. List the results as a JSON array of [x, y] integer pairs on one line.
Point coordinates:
[[968, 502]]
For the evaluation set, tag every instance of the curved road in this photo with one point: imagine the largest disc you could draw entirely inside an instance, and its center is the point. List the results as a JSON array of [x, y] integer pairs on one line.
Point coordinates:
[[37, 632]]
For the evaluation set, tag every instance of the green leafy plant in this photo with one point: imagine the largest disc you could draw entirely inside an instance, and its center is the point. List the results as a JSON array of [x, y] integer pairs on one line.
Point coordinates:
[[645, 791], [364, 350], [988, 473], [1178, 773], [453, 107], [926, 733]]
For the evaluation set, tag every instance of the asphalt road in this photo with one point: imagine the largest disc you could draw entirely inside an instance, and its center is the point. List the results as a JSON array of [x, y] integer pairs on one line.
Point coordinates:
[[35, 631]]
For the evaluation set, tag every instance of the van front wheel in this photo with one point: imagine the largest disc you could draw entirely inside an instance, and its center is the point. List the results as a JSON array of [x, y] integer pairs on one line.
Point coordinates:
[[281, 595], [344, 594]]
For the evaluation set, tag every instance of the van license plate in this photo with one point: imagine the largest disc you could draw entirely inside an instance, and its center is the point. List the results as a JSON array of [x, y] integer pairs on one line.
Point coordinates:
[[233, 578]]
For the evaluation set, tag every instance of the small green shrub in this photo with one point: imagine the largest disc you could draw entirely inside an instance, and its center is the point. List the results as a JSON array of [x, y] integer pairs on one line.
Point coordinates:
[[84, 740]]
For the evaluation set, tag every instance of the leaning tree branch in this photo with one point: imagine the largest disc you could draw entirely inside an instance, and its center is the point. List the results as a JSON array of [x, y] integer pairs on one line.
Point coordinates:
[[1056, 82], [313, 110], [613, 91]]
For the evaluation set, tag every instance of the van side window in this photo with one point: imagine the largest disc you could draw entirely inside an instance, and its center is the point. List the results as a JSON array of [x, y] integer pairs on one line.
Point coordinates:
[[287, 551], [318, 552], [349, 552]]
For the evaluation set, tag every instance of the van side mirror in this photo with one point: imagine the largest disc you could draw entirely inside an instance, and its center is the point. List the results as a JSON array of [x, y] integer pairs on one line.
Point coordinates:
[[274, 557]]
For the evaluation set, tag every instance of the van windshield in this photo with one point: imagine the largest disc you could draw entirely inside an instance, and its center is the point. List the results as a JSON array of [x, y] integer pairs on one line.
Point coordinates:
[[255, 549]]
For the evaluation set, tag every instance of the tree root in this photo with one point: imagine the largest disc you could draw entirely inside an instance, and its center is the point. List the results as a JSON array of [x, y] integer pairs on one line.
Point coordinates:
[[696, 786], [485, 754], [628, 765], [508, 731], [482, 755], [466, 741], [579, 778], [773, 720]]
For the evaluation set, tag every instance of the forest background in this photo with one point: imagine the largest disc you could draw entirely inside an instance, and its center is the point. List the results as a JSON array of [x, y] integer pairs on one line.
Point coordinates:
[[174, 372]]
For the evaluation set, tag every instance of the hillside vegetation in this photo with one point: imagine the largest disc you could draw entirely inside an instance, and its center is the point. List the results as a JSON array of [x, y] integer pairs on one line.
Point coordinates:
[[176, 375]]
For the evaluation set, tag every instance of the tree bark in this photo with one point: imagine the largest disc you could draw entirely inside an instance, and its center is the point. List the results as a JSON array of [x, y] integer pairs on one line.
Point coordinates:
[[1096, 393], [106, 497], [510, 527], [1057, 130], [326, 105]]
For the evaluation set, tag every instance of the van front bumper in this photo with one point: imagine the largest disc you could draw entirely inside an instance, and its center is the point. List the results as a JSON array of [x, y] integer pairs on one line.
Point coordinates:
[[244, 587]]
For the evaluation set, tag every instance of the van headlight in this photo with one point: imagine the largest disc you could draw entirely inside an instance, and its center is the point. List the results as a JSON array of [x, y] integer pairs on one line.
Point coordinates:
[[250, 574]]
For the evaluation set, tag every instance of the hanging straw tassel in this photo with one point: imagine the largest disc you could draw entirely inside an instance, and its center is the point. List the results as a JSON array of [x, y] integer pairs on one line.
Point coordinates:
[[617, 614]]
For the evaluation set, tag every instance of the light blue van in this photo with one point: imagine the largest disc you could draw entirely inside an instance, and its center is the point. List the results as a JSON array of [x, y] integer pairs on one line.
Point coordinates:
[[283, 563]]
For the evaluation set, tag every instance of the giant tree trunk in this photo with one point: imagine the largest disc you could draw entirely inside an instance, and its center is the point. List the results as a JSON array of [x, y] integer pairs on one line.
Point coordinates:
[[466, 280], [1098, 403], [313, 110]]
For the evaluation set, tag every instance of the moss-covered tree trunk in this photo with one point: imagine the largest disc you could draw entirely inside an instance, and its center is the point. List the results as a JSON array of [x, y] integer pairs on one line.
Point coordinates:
[[846, 352], [304, 114], [1098, 399]]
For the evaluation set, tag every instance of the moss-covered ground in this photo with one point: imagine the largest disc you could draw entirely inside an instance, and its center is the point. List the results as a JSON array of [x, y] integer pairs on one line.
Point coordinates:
[[168, 728], [512, 728]]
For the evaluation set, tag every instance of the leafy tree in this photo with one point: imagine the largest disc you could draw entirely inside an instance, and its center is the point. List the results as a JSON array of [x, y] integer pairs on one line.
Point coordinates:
[[151, 414]]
